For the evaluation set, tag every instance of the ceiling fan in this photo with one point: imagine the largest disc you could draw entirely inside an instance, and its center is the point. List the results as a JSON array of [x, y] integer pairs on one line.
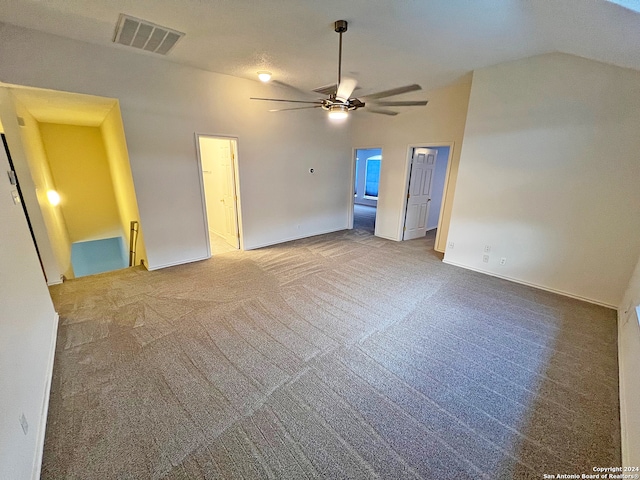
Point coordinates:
[[340, 102]]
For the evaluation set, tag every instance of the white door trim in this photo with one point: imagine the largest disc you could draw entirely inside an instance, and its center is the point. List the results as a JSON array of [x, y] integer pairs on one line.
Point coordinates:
[[407, 172], [352, 190]]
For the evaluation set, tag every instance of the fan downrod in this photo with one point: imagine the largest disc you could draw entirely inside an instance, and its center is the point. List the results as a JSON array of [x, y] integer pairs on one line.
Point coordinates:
[[340, 27], [339, 97]]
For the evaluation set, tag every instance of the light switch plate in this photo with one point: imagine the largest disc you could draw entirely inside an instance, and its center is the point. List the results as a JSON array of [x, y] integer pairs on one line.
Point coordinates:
[[24, 424], [12, 177]]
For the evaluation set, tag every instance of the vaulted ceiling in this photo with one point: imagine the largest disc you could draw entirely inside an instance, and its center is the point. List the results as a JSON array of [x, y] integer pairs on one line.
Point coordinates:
[[389, 42]]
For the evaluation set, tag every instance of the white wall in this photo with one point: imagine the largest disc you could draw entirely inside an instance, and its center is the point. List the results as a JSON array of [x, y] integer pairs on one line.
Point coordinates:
[[440, 122], [162, 105], [549, 175], [27, 334], [628, 362]]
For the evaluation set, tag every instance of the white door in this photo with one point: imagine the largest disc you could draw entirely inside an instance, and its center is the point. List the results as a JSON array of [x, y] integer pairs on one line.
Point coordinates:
[[423, 163], [217, 156], [227, 157]]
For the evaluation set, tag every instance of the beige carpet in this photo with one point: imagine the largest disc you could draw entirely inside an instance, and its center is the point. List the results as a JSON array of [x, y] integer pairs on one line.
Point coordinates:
[[219, 245], [364, 218], [338, 356]]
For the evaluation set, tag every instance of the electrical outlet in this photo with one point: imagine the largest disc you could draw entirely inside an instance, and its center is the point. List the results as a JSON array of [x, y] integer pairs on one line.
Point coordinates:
[[503, 260], [24, 424], [451, 244], [487, 248], [485, 258]]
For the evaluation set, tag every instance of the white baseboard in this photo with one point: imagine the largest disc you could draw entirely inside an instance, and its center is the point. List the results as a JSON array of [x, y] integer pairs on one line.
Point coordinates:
[[248, 247], [291, 239], [534, 285], [42, 427], [175, 264]]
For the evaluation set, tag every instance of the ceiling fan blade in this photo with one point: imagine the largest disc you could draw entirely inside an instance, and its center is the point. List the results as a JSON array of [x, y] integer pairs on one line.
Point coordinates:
[[393, 91], [381, 111], [409, 103], [345, 89], [327, 89], [282, 100], [294, 108]]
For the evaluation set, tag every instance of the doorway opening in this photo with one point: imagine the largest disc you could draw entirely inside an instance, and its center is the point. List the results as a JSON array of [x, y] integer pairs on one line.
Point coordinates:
[[426, 188], [366, 186], [218, 167], [71, 154]]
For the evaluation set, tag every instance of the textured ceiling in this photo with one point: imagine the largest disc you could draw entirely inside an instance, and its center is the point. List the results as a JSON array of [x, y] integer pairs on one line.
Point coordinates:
[[389, 42]]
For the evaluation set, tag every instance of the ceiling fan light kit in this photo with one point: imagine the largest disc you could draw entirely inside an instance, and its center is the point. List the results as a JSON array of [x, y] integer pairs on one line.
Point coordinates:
[[338, 112], [264, 76], [340, 103]]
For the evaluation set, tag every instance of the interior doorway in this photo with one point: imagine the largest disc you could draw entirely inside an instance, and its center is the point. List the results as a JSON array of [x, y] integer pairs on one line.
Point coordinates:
[[426, 187], [71, 154], [217, 157], [366, 187]]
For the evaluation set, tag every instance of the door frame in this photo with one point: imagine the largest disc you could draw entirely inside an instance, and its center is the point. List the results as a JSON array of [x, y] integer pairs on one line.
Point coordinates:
[[353, 181], [5, 146], [407, 173], [235, 140]]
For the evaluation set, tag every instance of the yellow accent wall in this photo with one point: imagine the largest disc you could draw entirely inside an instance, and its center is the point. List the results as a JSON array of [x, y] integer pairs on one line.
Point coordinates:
[[80, 169], [54, 219], [116, 149]]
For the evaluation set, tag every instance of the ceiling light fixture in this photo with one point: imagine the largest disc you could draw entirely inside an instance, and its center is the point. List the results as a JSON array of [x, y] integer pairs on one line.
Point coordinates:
[[53, 197], [338, 112], [264, 76], [340, 102]]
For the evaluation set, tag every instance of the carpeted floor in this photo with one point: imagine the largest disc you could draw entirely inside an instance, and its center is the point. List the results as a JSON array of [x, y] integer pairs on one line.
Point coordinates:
[[338, 356], [364, 218], [219, 245]]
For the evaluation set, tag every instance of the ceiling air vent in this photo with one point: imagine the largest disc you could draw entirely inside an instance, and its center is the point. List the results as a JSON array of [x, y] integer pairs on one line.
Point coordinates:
[[136, 33]]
